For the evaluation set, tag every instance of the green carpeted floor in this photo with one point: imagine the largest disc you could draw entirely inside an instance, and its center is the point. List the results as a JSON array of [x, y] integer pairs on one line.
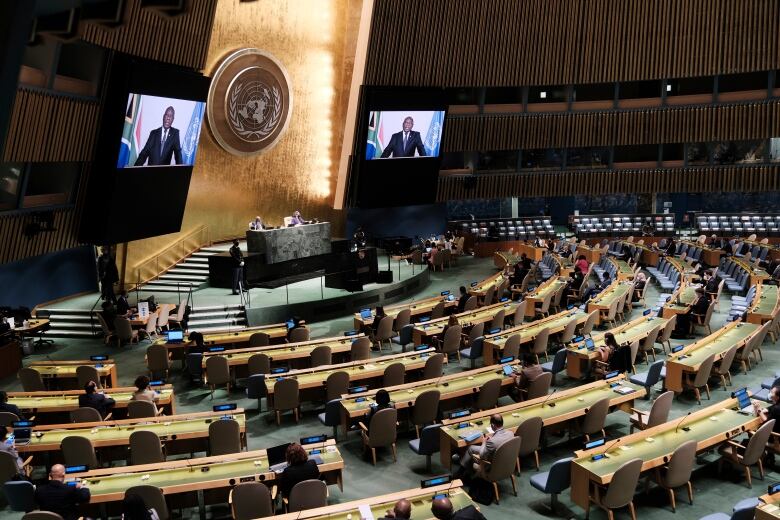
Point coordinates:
[[361, 479]]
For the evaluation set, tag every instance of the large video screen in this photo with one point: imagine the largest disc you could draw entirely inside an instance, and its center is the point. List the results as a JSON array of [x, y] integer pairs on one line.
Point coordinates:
[[404, 133], [160, 131]]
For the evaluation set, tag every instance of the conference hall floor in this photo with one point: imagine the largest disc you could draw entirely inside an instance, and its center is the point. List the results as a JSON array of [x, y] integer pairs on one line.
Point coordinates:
[[712, 493]]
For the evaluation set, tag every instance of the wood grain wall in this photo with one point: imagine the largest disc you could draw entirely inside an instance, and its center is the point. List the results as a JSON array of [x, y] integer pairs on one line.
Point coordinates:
[[550, 42]]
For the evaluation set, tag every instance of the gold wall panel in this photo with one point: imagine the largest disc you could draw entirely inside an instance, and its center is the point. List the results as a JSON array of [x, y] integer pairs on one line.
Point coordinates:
[[315, 41]]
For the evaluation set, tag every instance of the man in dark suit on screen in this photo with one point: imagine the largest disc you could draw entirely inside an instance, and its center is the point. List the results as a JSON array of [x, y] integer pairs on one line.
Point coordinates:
[[162, 144], [405, 142]]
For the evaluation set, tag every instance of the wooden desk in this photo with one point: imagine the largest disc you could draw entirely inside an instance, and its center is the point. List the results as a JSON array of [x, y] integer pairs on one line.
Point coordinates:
[[422, 332], [185, 433], [709, 256], [452, 387], [541, 292], [289, 354], [649, 255], [491, 281], [502, 259], [554, 409], [65, 371], [592, 254], [757, 275], [494, 343], [137, 321], [690, 358], [218, 473], [41, 404], [708, 427], [768, 508], [765, 305], [311, 381], [417, 308], [579, 358], [686, 296], [623, 271], [276, 331], [606, 298], [421, 500], [34, 326]]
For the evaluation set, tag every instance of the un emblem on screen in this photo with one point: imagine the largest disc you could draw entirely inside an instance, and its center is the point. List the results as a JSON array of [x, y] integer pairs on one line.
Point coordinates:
[[250, 102]]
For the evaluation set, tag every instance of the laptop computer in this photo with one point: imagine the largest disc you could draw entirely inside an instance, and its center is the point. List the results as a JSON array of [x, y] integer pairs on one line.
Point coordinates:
[[175, 336], [365, 314], [276, 457], [22, 432], [290, 324], [744, 404]]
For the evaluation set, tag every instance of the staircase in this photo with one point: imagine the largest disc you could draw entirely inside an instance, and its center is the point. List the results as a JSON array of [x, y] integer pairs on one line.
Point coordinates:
[[70, 323], [192, 272], [217, 317]]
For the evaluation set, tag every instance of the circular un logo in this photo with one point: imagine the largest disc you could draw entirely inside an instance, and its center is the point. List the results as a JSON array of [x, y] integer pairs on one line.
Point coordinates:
[[250, 102]]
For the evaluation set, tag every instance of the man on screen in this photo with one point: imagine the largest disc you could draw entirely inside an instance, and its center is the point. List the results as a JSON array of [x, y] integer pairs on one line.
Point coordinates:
[[163, 143], [405, 142]]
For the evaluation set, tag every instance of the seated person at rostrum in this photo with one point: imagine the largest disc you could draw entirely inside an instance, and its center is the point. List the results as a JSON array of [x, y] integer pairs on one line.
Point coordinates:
[[94, 399], [143, 392], [593, 291], [615, 356], [297, 219], [639, 286], [257, 224], [299, 468], [123, 307], [468, 463]]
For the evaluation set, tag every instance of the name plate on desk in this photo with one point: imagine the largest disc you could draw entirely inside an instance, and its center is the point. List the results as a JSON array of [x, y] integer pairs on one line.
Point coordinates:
[[290, 243]]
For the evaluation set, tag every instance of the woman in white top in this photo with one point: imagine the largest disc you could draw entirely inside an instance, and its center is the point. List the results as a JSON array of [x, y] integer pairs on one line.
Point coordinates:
[[144, 393]]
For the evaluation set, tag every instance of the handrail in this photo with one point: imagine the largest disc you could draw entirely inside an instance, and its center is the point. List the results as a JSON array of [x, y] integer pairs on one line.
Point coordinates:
[[178, 249]]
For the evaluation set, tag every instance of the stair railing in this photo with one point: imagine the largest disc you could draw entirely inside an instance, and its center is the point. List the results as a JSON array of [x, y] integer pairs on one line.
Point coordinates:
[[153, 266]]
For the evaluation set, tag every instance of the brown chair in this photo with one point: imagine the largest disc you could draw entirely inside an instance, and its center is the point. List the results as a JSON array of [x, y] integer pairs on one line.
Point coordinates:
[[502, 466], [150, 330], [218, 373], [567, 334], [594, 419], [107, 333], [321, 356], [544, 309], [153, 498], [299, 334], [677, 472], [309, 494], [394, 375], [489, 296], [31, 380], [78, 451], [450, 344], [721, 370], [538, 386], [286, 398], [590, 322], [750, 455], [488, 394], [701, 378], [512, 346], [224, 437], [384, 332], [555, 303], [475, 332], [145, 448], [471, 304], [87, 373], [498, 320], [540, 344], [360, 349], [609, 317], [530, 433], [250, 500], [620, 491], [519, 315], [123, 331], [259, 339], [403, 318], [648, 344], [380, 432], [158, 360], [665, 337], [658, 414], [8, 419], [141, 408], [259, 364], [336, 385], [437, 311], [425, 409], [434, 366], [84, 415], [743, 356], [703, 321]]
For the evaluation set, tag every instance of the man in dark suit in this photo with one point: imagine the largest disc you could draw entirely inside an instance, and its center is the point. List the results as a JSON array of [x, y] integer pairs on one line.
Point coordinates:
[[442, 510], [108, 275], [92, 399], [162, 144], [405, 142], [11, 408], [57, 497], [239, 279], [464, 297]]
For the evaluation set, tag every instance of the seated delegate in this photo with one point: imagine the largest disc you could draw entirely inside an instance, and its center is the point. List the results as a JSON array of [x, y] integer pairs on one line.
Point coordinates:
[[297, 219], [257, 224]]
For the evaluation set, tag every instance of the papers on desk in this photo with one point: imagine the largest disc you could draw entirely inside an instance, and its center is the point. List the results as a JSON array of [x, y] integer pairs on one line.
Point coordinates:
[[624, 390], [370, 366], [470, 437], [365, 512]]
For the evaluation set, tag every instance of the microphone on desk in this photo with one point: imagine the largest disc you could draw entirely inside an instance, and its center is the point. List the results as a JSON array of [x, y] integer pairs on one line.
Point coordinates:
[[681, 421], [548, 397], [611, 445]]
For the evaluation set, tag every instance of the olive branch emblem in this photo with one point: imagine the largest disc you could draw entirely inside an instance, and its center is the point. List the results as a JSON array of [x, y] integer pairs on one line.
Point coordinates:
[[237, 124]]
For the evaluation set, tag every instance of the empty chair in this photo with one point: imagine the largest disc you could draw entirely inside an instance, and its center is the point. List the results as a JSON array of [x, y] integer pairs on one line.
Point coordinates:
[[381, 432], [489, 295], [471, 304], [721, 370], [84, 415], [555, 481], [620, 491], [502, 466], [224, 437], [218, 372], [434, 366], [402, 319], [31, 380], [158, 360], [259, 364], [404, 337], [498, 320], [394, 374], [539, 386], [664, 338], [747, 456], [658, 414], [427, 444], [745, 509], [321, 356], [77, 451], [145, 448], [299, 334], [512, 346], [153, 498], [384, 332], [286, 398], [140, 409], [87, 373], [438, 311], [20, 495], [123, 331], [488, 394], [558, 364], [648, 343], [259, 339], [425, 409], [650, 378], [594, 419], [360, 349], [336, 385], [519, 315], [530, 433], [701, 378], [150, 330], [474, 351], [450, 344], [250, 500], [332, 416], [307, 495], [590, 322], [677, 472]]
